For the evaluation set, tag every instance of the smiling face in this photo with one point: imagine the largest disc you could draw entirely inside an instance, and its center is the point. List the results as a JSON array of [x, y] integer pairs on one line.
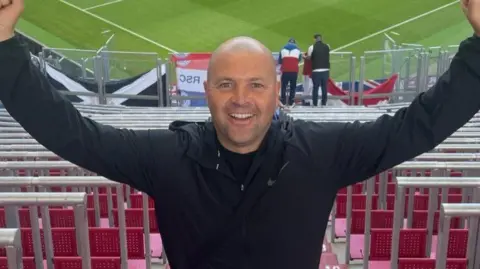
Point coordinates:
[[242, 93]]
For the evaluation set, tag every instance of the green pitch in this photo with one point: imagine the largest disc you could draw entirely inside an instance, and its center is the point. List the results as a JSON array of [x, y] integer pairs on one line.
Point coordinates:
[[164, 26]]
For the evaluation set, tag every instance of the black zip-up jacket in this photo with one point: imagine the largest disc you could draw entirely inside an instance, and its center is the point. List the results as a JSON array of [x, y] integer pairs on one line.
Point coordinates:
[[182, 169], [320, 57]]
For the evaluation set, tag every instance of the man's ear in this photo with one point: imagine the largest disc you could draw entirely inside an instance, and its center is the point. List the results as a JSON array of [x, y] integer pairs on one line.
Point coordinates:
[[205, 88]]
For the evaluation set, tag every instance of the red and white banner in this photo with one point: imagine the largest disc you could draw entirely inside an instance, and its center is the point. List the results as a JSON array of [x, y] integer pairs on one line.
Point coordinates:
[[191, 70]]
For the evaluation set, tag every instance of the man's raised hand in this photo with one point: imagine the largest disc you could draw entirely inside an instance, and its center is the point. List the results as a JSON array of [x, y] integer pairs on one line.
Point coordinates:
[[10, 11], [471, 8]]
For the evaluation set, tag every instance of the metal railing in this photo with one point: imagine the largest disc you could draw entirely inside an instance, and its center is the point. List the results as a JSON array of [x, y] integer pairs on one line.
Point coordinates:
[[32, 199], [10, 239], [418, 69]]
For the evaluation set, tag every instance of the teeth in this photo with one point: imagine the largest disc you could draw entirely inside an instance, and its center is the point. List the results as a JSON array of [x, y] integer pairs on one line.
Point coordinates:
[[241, 116]]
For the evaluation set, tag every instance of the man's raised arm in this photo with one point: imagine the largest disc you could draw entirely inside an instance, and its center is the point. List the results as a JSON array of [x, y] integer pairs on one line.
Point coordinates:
[[118, 154], [364, 150]]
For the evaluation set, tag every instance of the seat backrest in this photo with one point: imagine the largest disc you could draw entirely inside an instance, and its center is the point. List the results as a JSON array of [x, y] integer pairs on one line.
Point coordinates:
[[103, 199], [65, 217], [97, 262], [28, 263], [420, 217], [382, 219], [428, 263], [412, 243], [136, 201], [134, 218], [457, 243], [105, 242]]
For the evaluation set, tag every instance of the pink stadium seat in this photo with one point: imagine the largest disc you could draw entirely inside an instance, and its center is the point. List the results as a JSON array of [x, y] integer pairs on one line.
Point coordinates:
[[136, 201], [134, 218], [103, 199], [426, 263]]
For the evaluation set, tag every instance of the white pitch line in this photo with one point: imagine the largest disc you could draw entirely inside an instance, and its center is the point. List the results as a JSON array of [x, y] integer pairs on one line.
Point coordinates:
[[395, 26], [119, 27], [102, 5]]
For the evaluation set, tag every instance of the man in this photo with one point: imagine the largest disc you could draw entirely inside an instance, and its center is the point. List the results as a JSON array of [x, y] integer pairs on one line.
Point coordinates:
[[320, 56], [242, 191], [307, 76], [289, 58]]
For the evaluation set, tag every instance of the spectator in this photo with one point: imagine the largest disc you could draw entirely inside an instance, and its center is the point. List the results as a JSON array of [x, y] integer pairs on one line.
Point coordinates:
[[290, 57], [307, 77], [319, 55]]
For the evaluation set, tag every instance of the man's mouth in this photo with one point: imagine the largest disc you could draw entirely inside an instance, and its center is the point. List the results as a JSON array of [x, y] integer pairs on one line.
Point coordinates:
[[241, 116]]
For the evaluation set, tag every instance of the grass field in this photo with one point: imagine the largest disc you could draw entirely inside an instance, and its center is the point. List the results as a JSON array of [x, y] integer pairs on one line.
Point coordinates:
[[165, 26]]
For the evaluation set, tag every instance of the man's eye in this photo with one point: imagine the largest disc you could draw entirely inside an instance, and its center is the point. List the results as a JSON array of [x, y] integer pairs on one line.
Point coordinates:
[[225, 85], [257, 85]]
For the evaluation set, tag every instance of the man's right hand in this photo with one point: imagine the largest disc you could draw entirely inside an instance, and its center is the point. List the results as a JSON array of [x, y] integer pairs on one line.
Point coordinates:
[[10, 11]]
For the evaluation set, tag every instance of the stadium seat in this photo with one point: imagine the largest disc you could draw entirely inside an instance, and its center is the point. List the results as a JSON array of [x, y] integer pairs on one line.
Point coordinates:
[[412, 245], [137, 202], [427, 263]]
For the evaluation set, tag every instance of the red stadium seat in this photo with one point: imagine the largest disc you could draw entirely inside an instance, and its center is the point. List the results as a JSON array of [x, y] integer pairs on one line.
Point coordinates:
[[96, 262], [23, 217], [103, 199], [136, 201], [105, 242], [412, 244], [134, 218], [356, 189], [28, 263], [358, 202], [420, 218], [427, 263], [66, 217]]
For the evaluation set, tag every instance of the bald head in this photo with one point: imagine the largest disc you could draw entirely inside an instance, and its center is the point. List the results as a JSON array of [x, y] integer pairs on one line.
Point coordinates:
[[242, 44], [242, 93]]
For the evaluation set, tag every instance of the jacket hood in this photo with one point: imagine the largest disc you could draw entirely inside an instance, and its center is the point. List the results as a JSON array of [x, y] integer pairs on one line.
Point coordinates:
[[290, 46]]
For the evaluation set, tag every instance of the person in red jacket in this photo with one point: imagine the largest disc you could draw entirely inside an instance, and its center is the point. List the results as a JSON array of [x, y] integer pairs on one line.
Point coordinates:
[[307, 77], [289, 58]]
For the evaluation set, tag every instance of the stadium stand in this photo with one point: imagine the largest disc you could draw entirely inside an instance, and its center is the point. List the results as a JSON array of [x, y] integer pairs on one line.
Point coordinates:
[[419, 214]]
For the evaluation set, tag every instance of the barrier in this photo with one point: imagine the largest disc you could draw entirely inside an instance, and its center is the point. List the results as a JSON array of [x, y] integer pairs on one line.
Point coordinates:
[[10, 239], [453, 210], [433, 183], [78, 200]]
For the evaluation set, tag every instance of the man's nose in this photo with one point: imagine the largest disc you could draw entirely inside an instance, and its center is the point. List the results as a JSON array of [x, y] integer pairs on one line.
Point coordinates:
[[240, 95]]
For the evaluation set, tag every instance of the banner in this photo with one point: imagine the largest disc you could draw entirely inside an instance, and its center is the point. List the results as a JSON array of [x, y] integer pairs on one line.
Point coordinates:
[[191, 72], [142, 84]]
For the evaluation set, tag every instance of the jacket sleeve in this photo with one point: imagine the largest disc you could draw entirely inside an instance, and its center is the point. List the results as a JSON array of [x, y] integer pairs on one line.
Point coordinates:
[[364, 150], [118, 154]]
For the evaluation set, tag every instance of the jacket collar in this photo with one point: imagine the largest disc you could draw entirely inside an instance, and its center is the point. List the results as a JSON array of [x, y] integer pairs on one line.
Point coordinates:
[[202, 145]]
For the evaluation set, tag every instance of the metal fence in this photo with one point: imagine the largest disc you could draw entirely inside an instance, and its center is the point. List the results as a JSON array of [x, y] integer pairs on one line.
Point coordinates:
[[417, 68]]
